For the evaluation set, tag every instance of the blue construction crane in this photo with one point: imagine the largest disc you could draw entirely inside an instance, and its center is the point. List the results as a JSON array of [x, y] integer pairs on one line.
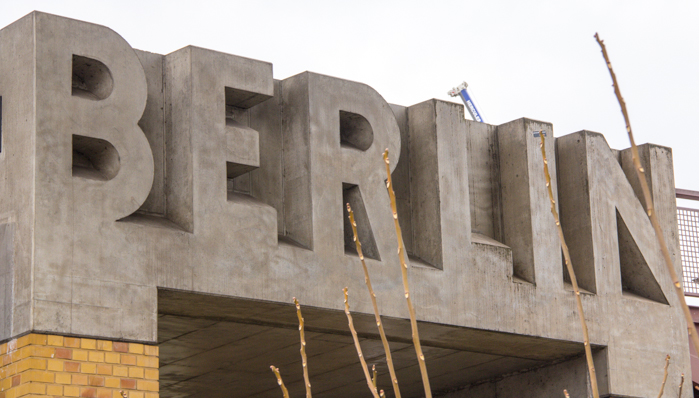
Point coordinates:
[[461, 91]]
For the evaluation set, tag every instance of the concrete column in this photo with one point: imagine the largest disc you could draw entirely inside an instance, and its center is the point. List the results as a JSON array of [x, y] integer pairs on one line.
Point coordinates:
[[526, 210]]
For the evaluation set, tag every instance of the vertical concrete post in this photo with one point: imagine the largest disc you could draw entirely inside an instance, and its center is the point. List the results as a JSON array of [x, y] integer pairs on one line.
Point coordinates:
[[527, 220], [439, 191]]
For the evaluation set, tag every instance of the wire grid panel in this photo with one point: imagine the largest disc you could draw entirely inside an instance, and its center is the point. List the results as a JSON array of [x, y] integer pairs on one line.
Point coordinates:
[[688, 223]]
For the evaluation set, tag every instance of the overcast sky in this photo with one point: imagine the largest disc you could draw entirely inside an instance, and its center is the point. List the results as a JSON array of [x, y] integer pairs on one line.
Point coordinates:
[[520, 58]]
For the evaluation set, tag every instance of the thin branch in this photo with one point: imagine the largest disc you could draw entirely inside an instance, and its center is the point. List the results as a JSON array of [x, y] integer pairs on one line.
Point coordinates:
[[566, 393], [571, 272], [662, 386], [374, 376], [379, 324], [381, 394], [304, 360], [649, 204], [372, 386], [285, 392], [681, 384], [404, 271]]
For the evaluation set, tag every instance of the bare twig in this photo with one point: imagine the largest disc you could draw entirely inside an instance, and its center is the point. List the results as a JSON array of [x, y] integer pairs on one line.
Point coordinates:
[[381, 394], [379, 324], [681, 384], [662, 386], [566, 393], [571, 272], [304, 360], [123, 394], [285, 392], [372, 386], [404, 271], [374, 376], [649, 204]]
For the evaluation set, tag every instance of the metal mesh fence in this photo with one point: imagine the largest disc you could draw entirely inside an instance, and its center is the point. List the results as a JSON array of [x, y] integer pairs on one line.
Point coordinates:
[[688, 223]]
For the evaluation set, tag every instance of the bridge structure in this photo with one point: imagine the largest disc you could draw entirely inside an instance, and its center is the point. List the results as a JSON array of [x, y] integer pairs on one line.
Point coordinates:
[[159, 212]]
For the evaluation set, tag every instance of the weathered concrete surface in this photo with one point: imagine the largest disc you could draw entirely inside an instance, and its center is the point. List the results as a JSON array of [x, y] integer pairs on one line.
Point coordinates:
[[198, 173]]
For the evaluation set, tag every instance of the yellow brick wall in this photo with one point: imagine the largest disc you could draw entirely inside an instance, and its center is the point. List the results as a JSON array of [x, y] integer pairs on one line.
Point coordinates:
[[40, 365]]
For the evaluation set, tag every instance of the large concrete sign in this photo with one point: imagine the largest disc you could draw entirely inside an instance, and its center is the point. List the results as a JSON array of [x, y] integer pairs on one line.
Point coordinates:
[[146, 194]]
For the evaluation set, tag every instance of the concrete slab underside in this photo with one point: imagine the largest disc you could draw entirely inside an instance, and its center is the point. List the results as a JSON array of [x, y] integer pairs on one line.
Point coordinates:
[[218, 346]]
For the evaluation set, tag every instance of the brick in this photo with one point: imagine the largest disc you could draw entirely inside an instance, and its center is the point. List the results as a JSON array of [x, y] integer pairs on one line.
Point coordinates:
[[128, 383], [128, 359], [16, 380], [152, 374], [71, 391], [54, 389], [28, 388], [120, 347], [64, 353], [79, 379], [22, 365], [147, 362], [88, 393], [148, 385], [72, 342], [54, 341], [112, 357], [19, 367], [136, 394], [120, 371], [88, 344], [69, 366], [55, 365], [136, 372], [20, 353], [136, 348], [80, 355], [104, 345], [29, 363], [152, 395], [88, 367], [23, 389], [38, 363], [63, 378], [112, 382], [95, 356], [103, 369], [40, 376], [152, 362], [45, 352], [37, 339], [3, 348], [104, 393], [23, 341], [37, 388], [151, 350], [97, 381]]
